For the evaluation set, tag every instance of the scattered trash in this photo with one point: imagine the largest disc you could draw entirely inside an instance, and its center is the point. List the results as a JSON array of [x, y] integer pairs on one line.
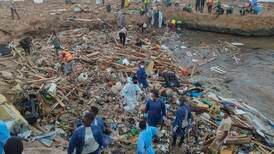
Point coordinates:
[[217, 69], [237, 44]]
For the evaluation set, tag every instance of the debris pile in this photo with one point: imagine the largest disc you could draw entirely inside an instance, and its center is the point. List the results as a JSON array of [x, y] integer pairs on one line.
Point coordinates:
[[92, 71]]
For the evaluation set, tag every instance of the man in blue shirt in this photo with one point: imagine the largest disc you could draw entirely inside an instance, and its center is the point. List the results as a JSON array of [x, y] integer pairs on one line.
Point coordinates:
[[181, 122], [144, 142], [142, 76], [155, 110], [4, 135]]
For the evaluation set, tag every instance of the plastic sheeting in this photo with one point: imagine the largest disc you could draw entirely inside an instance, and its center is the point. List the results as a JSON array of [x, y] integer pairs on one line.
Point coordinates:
[[262, 125]]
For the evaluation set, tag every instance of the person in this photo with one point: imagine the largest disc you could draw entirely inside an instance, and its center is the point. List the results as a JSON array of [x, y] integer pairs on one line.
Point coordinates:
[[13, 10], [4, 135], [142, 11], [144, 141], [181, 123], [130, 93], [123, 35], [26, 44], [209, 6], [86, 139], [197, 5], [160, 23], [122, 4], [150, 15], [98, 2], [155, 110], [142, 76], [221, 133], [121, 19], [219, 9], [14, 145], [99, 122], [146, 2], [156, 18], [56, 44], [172, 25], [171, 79], [202, 6]]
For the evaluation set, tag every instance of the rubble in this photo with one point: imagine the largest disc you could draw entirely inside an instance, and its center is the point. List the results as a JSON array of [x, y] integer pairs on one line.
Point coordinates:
[[95, 75]]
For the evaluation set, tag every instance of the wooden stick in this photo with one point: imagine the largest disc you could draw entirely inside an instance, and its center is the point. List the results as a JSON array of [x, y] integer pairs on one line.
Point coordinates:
[[114, 38], [213, 124], [263, 150], [192, 71], [40, 80], [262, 145]]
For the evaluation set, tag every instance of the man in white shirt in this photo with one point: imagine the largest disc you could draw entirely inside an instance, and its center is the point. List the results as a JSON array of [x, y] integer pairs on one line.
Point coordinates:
[[221, 134]]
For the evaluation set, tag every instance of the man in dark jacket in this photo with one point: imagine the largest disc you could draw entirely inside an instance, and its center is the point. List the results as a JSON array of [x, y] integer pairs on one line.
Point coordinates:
[[87, 139], [142, 76], [155, 110], [181, 122]]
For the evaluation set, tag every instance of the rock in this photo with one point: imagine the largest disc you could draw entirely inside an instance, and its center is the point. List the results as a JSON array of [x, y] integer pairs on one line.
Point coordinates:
[[7, 75]]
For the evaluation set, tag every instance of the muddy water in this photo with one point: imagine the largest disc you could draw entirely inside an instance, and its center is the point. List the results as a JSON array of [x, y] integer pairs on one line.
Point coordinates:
[[196, 37], [251, 80]]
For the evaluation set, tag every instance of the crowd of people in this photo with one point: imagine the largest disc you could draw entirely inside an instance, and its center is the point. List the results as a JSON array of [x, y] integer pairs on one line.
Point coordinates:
[[91, 133]]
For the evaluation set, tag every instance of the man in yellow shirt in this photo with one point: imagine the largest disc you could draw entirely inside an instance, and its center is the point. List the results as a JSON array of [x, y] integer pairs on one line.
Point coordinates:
[[221, 134]]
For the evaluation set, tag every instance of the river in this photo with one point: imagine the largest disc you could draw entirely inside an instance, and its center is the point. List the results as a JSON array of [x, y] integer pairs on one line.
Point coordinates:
[[250, 80]]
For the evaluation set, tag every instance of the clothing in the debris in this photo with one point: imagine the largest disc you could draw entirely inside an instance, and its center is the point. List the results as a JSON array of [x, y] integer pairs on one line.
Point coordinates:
[[181, 123], [130, 92], [4, 135], [13, 9], [155, 110], [14, 145], [144, 142], [82, 137], [123, 36], [171, 79], [142, 77], [225, 126]]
